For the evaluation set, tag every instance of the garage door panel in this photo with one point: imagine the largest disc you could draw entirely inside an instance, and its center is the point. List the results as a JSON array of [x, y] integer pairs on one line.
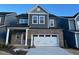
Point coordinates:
[[46, 41]]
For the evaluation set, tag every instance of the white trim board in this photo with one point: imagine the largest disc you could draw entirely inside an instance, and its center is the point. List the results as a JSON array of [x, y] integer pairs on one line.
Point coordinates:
[[76, 41]]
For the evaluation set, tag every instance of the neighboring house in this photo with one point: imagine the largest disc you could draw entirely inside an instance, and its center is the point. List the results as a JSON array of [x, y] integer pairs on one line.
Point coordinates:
[[6, 19], [71, 33], [35, 28]]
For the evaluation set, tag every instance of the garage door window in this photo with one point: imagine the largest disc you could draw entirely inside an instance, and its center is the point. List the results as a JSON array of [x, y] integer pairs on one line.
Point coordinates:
[[54, 35], [41, 35], [47, 35], [35, 35]]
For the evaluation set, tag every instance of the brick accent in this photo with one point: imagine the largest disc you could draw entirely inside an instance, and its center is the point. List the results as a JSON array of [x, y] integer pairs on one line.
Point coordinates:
[[47, 31]]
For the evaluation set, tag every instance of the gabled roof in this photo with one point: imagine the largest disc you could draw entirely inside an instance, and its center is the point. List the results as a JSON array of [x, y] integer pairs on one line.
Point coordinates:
[[4, 13], [23, 16], [71, 16], [37, 6], [52, 15], [76, 14]]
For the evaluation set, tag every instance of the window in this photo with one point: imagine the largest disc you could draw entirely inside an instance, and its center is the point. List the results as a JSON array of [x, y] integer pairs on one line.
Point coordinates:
[[41, 35], [51, 23], [0, 19], [35, 35], [34, 19], [47, 35], [18, 35], [22, 21], [71, 25], [54, 35], [78, 24], [41, 19]]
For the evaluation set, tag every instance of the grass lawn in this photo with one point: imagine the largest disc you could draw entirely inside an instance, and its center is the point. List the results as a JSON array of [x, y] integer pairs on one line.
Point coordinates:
[[73, 51]]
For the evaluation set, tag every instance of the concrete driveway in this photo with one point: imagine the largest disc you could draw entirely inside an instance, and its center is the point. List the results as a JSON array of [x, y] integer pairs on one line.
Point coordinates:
[[48, 51]]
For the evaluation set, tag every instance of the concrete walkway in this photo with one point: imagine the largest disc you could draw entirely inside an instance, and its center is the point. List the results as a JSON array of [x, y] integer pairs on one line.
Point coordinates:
[[47, 51], [4, 53]]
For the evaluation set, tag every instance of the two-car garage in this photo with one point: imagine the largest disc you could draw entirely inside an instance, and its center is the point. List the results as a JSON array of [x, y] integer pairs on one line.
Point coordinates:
[[45, 40]]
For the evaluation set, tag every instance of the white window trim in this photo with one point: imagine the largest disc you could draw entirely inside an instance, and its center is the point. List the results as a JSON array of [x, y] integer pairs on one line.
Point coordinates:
[[50, 23], [33, 19], [39, 20]]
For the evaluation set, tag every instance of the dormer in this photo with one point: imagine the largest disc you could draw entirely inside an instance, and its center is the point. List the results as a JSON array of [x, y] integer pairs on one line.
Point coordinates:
[[37, 10], [38, 17]]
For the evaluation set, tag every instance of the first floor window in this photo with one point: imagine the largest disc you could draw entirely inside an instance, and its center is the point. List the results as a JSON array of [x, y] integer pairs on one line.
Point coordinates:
[[34, 19], [22, 21]]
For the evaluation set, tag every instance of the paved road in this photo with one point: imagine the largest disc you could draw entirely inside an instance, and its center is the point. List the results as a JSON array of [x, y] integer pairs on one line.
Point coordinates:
[[48, 51]]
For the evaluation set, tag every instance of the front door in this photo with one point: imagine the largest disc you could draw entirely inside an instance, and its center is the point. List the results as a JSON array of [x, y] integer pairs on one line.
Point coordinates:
[[18, 38]]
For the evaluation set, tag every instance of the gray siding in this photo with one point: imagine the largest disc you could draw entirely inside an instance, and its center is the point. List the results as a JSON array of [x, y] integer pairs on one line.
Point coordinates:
[[10, 19], [62, 23]]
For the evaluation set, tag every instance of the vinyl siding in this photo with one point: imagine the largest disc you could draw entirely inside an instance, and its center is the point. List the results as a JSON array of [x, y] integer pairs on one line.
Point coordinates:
[[10, 19]]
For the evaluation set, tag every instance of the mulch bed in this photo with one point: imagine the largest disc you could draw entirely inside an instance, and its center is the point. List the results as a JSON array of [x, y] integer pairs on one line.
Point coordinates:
[[10, 50]]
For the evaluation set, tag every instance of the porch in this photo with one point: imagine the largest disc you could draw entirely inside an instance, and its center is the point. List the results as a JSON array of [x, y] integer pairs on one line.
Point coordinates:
[[16, 36]]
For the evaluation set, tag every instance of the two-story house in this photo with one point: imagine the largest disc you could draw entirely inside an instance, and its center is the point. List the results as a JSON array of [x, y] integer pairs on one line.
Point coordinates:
[[71, 31], [35, 28], [6, 19]]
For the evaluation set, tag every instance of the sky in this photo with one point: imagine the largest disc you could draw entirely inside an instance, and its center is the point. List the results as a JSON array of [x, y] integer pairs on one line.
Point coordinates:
[[56, 9]]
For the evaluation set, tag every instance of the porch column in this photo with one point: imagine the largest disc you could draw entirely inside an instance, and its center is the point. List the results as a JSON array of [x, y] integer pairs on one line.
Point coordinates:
[[26, 37], [7, 36]]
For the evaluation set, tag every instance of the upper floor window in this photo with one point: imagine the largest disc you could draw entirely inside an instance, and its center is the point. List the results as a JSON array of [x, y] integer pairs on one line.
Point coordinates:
[[51, 23], [22, 21], [34, 19], [41, 19], [71, 25]]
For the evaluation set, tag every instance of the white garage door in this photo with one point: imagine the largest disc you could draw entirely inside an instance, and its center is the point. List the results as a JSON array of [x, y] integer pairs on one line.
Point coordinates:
[[46, 40]]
